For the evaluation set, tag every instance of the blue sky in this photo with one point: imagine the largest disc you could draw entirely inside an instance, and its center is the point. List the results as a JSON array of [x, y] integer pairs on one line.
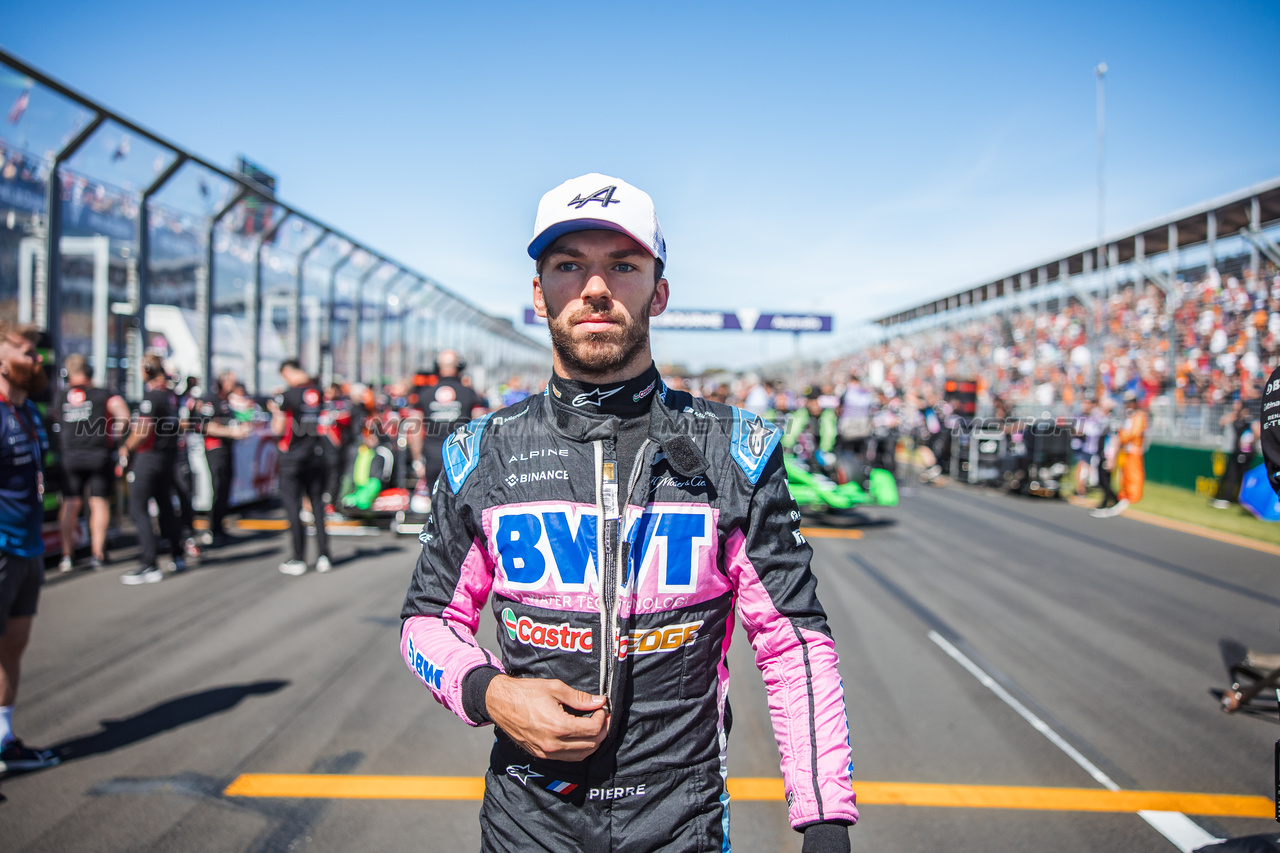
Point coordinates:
[[854, 158]]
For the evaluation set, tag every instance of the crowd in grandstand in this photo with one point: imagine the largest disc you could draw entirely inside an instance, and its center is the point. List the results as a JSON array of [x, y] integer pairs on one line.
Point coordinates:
[[1226, 337]]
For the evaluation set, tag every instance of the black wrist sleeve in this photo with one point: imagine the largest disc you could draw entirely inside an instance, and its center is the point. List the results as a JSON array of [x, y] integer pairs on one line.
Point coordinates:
[[474, 687], [826, 838]]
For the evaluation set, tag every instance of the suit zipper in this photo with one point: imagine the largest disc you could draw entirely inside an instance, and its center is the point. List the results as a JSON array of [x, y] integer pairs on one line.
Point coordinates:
[[616, 553], [605, 644]]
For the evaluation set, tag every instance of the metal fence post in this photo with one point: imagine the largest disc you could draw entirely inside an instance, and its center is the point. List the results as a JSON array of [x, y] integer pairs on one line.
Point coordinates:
[[51, 310], [295, 320], [326, 342], [138, 329], [391, 290], [356, 339], [253, 305], [204, 290]]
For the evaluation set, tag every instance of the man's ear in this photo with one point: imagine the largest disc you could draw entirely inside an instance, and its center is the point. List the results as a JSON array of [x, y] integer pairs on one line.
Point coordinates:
[[661, 293], [539, 302]]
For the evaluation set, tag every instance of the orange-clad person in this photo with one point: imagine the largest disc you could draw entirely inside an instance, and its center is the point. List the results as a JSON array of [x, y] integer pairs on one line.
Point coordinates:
[[1132, 437]]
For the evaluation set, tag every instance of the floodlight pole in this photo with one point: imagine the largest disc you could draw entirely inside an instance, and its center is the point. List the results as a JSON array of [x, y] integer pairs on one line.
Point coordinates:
[[1100, 72]]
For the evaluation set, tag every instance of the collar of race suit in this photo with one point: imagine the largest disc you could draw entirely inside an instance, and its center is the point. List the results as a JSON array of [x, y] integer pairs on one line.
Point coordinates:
[[628, 399]]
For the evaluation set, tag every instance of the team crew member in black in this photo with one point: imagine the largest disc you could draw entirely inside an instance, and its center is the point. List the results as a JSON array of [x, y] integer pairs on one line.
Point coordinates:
[[22, 445], [148, 455], [339, 422], [295, 417], [619, 527], [442, 407], [89, 424], [183, 477], [217, 422]]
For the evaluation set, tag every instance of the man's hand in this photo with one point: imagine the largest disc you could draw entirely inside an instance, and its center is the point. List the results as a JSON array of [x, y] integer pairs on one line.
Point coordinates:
[[535, 713]]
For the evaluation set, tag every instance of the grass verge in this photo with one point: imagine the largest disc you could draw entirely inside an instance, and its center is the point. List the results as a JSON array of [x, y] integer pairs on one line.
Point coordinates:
[[1183, 505]]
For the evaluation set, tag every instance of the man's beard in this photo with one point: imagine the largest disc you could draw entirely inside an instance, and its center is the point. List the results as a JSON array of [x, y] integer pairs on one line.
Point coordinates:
[[29, 377], [599, 353]]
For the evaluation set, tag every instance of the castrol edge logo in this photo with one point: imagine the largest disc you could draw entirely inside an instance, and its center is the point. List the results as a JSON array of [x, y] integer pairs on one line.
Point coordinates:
[[656, 640], [565, 637]]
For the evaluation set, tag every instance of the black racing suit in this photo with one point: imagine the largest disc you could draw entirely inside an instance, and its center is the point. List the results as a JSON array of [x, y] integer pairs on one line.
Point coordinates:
[[685, 505]]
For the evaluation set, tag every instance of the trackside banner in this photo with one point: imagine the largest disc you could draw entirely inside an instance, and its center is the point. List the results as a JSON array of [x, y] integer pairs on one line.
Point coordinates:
[[714, 320]]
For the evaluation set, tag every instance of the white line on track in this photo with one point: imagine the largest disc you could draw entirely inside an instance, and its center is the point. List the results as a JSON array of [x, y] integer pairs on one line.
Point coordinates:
[[1180, 830]]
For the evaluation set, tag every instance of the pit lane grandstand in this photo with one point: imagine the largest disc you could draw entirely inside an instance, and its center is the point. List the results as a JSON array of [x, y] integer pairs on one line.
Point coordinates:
[[1183, 310], [118, 241]]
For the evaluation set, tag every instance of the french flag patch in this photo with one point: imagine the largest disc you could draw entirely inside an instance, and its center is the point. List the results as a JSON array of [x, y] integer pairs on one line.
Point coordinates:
[[561, 787]]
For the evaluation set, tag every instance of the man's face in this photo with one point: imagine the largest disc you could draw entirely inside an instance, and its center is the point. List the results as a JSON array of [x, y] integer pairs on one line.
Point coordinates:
[[227, 383], [447, 363], [20, 364], [597, 292]]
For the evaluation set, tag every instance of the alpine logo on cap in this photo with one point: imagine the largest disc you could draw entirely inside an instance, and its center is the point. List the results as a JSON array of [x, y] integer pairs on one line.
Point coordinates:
[[604, 196]]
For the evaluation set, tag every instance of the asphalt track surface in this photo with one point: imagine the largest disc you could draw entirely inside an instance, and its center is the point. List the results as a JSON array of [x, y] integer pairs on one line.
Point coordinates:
[[162, 696]]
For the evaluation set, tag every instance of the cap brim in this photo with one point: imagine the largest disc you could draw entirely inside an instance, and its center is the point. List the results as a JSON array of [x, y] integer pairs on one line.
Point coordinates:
[[554, 232]]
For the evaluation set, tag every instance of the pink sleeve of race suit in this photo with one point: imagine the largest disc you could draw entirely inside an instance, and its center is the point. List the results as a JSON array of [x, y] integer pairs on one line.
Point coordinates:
[[797, 658], [441, 648]]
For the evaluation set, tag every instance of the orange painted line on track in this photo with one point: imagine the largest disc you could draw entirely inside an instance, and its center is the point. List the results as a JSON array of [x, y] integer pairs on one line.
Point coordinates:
[[1197, 530], [1187, 527], [262, 524], [306, 785], [771, 790], [829, 533], [283, 524]]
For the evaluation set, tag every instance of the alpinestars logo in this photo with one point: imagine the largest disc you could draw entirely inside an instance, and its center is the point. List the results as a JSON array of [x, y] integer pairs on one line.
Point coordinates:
[[594, 397], [522, 773], [460, 440], [604, 196], [756, 436]]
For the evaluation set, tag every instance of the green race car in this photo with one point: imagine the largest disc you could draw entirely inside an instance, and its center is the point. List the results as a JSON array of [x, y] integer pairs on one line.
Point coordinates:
[[817, 492]]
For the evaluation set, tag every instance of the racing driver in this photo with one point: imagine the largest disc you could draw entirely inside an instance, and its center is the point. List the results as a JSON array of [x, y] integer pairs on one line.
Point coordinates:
[[620, 527]]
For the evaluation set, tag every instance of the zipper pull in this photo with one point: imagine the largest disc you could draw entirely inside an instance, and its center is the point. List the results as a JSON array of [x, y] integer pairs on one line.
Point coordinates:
[[609, 490]]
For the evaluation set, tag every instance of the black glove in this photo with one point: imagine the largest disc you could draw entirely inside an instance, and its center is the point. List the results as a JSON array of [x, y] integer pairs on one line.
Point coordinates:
[[826, 838]]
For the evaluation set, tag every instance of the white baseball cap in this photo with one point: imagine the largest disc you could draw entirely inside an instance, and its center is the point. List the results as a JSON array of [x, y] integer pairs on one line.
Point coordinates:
[[597, 202]]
